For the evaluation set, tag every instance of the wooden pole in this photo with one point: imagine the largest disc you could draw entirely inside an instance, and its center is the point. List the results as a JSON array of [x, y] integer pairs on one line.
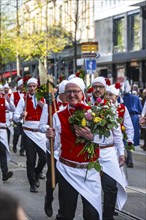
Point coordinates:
[[50, 88]]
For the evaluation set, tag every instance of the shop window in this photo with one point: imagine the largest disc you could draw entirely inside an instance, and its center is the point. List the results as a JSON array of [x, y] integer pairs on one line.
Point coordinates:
[[134, 32], [118, 35]]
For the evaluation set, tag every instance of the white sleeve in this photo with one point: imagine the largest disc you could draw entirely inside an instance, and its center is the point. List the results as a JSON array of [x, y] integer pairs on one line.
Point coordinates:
[[19, 110], [128, 125], [43, 125], [144, 110], [10, 106], [118, 140], [57, 127]]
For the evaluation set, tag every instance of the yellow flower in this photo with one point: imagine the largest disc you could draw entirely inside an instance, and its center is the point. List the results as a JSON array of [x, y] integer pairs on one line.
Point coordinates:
[[97, 119], [123, 128], [93, 113], [83, 122]]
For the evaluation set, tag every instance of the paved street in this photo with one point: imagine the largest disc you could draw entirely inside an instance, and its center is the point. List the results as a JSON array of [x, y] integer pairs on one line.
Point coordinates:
[[33, 203]]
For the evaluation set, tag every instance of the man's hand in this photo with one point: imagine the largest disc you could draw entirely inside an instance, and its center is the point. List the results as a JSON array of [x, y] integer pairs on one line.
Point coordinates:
[[83, 132], [121, 160], [50, 133], [142, 121]]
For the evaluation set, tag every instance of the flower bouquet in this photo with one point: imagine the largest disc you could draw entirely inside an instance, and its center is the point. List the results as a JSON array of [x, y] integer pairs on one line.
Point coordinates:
[[100, 119], [106, 117], [83, 116]]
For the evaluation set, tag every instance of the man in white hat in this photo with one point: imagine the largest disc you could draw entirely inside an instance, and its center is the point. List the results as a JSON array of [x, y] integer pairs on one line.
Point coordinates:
[[61, 102], [113, 184], [15, 97], [71, 167], [5, 104], [34, 141], [112, 93]]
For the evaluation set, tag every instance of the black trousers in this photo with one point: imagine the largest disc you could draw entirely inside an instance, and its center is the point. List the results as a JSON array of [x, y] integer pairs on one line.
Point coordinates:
[[69, 197], [3, 159], [109, 196], [17, 132], [49, 190], [32, 149]]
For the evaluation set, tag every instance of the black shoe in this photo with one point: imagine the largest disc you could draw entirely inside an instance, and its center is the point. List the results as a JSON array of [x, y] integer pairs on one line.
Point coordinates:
[[42, 176], [115, 213], [130, 165], [14, 149], [7, 176], [22, 152], [33, 189], [48, 208], [59, 217], [37, 183]]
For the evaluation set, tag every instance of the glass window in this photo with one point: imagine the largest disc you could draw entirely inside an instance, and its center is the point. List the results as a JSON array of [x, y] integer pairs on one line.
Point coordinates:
[[134, 32], [118, 35]]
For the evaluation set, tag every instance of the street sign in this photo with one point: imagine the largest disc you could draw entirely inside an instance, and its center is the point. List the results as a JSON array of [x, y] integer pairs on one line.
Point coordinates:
[[89, 47], [90, 64]]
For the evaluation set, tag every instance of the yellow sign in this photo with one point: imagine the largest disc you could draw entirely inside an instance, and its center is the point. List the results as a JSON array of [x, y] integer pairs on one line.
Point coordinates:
[[89, 47]]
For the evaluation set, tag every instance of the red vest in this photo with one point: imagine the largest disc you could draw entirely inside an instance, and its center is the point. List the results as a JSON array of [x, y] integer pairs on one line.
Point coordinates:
[[32, 113], [2, 110], [16, 98], [70, 150], [121, 111]]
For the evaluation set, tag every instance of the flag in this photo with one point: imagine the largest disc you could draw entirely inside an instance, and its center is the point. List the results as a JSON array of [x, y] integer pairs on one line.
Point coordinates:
[[43, 76]]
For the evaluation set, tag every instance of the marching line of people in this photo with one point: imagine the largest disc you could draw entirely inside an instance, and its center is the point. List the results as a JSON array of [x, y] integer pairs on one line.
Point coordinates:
[[31, 121]]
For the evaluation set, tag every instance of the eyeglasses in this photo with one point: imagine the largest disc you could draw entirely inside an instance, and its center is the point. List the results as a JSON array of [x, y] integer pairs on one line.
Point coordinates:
[[98, 87], [75, 92]]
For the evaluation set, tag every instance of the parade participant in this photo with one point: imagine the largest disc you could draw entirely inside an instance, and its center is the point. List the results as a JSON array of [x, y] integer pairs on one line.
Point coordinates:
[[134, 107], [5, 104], [71, 167], [112, 93], [15, 97], [113, 184], [43, 126], [34, 141], [8, 114]]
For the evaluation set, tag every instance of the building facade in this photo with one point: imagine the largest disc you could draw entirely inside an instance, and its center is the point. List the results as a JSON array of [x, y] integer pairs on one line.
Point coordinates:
[[120, 29]]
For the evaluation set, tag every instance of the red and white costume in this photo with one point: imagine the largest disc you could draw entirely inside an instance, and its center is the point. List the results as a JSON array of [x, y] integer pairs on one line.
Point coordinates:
[[89, 189], [4, 105]]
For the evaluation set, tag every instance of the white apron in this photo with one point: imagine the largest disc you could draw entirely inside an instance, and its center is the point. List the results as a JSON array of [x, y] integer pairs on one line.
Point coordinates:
[[89, 189], [37, 137], [110, 165], [4, 139]]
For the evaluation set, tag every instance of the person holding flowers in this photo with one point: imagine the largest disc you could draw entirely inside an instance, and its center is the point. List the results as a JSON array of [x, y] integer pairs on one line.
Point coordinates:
[[77, 167], [111, 157], [112, 93]]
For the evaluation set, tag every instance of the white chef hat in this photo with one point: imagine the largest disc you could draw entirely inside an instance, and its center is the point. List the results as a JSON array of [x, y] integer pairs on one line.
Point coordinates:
[[114, 89], [62, 86], [32, 80], [79, 82], [1, 87], [71, 76], [20, 82], [101, 80], [6, 85]]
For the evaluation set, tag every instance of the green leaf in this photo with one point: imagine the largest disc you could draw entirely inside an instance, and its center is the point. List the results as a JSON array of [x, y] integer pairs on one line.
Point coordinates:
[[97, 166], [90, 165]]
